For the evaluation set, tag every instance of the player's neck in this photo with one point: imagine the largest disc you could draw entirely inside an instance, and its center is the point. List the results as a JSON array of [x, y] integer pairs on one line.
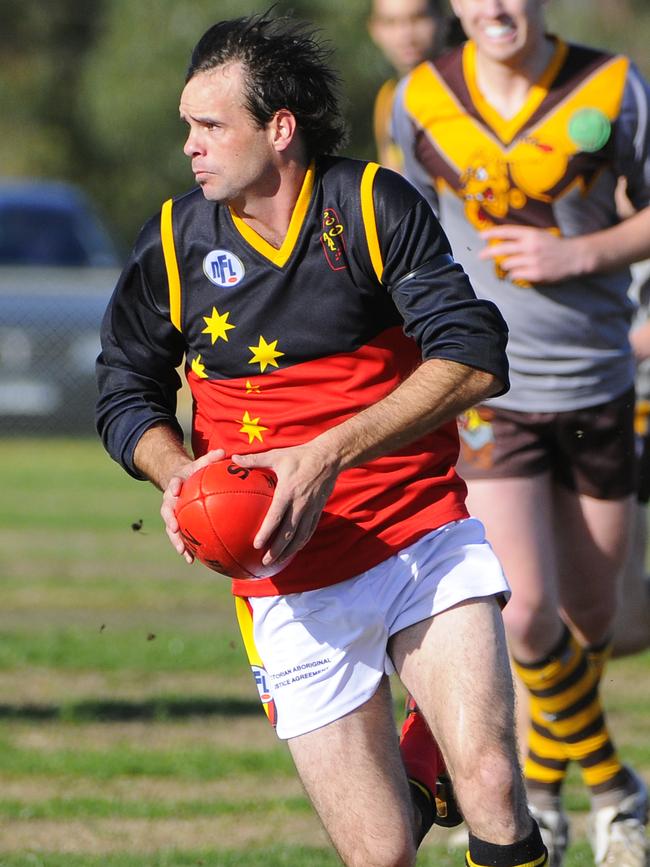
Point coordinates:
[[506, 86], [270, 215]]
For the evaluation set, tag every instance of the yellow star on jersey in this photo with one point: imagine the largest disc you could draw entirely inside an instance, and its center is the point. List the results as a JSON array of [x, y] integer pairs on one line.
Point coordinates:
[[217, 326], [251, 427], [198, 368], [252, 389], [264, 354]]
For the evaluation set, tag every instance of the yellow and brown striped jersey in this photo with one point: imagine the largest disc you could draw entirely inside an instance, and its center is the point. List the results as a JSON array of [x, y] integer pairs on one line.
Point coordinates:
[[553, 166], [281, 344]]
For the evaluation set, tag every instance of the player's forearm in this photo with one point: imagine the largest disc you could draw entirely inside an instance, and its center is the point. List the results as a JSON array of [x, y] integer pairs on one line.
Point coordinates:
[[434, 394], [617, 247], [159, 454]]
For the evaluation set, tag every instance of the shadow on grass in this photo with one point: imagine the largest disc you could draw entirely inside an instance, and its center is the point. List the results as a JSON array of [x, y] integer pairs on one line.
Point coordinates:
[[120, 710]]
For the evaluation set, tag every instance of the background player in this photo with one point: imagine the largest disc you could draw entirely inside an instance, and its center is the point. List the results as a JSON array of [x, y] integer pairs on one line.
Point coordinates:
[[518, 139], [406, 32]]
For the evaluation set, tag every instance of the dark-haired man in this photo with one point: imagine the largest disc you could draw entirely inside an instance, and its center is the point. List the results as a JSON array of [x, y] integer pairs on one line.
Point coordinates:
[[329, 335]]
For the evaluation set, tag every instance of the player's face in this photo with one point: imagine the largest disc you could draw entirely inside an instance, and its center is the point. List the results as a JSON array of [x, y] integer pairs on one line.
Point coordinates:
[[231, 155], [405, 31], [506, 31]]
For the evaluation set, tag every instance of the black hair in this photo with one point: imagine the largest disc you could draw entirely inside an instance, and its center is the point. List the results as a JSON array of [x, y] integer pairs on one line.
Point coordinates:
[[285, 66]]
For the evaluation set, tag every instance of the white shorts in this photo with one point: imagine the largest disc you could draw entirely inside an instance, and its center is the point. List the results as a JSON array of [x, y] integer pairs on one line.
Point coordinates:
[[318, 655]]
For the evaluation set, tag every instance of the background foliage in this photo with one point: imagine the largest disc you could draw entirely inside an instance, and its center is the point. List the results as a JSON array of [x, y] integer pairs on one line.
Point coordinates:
[[89, 90]]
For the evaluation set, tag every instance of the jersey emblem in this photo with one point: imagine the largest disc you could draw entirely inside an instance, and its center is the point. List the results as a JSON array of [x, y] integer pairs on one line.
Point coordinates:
[[223, 268], [262, 683], [332, 240]]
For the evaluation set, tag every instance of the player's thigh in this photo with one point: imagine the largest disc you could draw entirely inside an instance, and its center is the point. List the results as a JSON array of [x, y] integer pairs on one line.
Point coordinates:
[[352, 771], [517, 514], [456, 667]]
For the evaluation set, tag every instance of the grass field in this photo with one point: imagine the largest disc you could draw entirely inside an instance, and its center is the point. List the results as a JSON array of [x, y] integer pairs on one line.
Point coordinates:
[[130, 729]]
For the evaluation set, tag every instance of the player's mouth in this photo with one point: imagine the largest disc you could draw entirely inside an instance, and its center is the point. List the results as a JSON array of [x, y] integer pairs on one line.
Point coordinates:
[[500, 31]]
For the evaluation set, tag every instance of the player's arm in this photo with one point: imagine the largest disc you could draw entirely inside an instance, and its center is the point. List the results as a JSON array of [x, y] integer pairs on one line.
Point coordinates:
[[539, 256], [141, 350]]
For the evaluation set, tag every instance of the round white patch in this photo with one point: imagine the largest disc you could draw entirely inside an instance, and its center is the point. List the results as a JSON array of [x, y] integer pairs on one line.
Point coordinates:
[[223, 268]]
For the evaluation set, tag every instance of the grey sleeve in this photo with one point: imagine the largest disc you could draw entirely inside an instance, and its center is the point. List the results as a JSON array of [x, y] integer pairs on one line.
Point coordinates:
[[632, 139]]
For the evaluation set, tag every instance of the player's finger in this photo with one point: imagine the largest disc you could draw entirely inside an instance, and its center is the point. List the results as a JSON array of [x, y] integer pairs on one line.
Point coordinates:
[[210, 457], [506, 231], [272, 521], [507, 248]]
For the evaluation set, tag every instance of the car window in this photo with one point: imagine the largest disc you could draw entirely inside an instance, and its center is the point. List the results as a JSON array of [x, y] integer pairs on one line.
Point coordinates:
[[42, 235]]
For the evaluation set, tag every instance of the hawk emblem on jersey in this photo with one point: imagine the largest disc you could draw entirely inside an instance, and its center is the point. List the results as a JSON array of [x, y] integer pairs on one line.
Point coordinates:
[[333, 240], [223, 268], [487, 192]]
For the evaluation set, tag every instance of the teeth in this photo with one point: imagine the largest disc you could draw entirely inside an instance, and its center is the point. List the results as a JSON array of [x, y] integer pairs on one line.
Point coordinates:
[[497, 31]]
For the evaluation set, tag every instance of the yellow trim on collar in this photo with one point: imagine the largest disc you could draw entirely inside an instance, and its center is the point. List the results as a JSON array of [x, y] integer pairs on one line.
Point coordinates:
[[507, 128], [280, 257]]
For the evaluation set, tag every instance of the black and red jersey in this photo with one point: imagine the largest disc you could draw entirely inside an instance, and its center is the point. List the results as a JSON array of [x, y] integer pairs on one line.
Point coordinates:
[[282, 344]]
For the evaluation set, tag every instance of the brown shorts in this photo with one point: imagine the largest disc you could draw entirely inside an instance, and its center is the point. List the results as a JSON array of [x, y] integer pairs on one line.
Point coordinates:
[[591, 450]]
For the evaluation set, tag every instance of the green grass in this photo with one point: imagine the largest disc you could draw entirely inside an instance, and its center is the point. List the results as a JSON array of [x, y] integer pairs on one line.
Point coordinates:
[[130, 728]]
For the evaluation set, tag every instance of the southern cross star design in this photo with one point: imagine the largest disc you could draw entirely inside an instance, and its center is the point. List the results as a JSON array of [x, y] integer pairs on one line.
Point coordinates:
[[199, 368], [217, 325], [265, 353], [251, 427]]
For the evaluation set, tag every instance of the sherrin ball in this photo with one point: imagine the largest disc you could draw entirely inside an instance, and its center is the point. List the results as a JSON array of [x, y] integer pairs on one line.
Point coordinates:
[[220, 510]]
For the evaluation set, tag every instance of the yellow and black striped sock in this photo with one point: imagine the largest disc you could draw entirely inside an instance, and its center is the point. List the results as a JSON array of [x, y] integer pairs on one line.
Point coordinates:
[[566, 705]]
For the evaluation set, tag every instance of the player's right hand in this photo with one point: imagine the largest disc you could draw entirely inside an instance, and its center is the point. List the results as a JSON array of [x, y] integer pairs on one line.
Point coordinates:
[[171, 494]]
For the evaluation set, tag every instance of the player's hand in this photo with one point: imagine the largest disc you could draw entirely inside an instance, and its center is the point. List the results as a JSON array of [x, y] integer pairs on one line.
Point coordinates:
[[306, 476], [535, 255], [171, 494]]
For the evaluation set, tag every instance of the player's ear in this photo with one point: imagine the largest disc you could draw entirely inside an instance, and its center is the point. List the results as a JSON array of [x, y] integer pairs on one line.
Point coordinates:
[[283, 128]]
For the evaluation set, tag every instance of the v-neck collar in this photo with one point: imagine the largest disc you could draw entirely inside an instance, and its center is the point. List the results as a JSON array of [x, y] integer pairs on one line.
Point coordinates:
[[280, 256], [507, 128]]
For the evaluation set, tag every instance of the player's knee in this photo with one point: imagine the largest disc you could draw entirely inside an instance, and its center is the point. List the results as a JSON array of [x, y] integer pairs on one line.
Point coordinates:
[[529, 625], [488, 776], [594, 619], [385, 851]]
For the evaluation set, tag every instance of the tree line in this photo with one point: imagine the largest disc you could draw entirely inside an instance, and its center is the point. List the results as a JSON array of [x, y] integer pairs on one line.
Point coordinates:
[[89, 90]]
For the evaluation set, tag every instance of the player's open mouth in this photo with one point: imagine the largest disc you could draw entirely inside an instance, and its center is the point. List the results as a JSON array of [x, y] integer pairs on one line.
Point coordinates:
[[500, 31]]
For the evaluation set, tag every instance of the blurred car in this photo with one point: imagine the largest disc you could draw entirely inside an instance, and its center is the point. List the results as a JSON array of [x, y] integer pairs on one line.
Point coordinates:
[[58, 267]]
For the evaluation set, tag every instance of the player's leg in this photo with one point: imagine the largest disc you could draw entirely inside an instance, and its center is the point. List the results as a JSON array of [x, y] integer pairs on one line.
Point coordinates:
[[594, 534], [631, 630], [318, 659], [593, 540], [517, 513], [352, 771], [466, 695]]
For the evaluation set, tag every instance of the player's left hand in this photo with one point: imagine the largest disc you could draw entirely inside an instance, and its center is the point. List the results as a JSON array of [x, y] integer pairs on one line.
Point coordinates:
[[534, 255], [306, 476]]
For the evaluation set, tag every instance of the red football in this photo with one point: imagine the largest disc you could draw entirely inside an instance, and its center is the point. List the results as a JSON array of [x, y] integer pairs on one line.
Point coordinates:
[[220, 509]]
